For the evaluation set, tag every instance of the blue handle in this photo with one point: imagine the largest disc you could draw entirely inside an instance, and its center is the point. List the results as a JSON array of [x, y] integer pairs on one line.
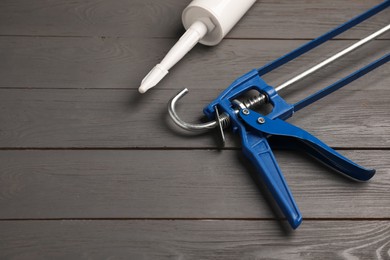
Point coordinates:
[[258, 151], [297, 138]]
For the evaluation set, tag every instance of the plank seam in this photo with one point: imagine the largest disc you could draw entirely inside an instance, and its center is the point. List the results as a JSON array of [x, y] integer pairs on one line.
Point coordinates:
[[168, 148], [192, 219], [174, 38]]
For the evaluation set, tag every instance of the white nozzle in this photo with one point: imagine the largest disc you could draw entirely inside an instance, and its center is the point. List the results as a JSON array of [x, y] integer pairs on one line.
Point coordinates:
[[189, 39], [153, 77], [207, 22]]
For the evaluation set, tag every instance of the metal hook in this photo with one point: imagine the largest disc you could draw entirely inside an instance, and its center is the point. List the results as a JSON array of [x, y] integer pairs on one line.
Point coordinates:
[[222, 120], [184, 125]]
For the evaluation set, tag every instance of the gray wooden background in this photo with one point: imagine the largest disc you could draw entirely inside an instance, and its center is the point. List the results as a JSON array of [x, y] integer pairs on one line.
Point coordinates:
[[90, 169]]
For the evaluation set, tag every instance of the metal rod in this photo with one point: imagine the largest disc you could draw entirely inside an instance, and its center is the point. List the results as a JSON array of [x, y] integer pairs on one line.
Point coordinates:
[[333, 58], [341, 83]]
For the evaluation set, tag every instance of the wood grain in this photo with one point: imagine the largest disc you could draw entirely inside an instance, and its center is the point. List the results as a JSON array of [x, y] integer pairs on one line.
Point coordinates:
[[148, 18], [35, 118], [193, 240], [58, 62], [180, 184]]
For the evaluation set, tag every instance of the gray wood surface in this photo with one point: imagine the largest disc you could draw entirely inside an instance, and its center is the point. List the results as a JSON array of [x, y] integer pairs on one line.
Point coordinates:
[[90, 169], [190, 239], [149, 18], [123, 62], [31, 118], [154, 184]]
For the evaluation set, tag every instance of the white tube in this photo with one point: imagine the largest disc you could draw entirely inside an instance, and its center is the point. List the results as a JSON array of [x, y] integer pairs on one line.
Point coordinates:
[[219, 15], [207, 22]]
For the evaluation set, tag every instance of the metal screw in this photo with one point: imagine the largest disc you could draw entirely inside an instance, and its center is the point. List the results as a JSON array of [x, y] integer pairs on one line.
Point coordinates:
[[245, 111], [261, 120]]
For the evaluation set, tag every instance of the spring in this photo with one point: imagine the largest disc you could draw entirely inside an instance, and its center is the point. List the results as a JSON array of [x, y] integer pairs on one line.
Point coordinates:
[[224, 120], [255, 101]]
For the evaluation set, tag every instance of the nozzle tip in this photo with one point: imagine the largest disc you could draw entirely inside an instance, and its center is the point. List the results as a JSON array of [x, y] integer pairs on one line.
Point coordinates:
[[153, 77], [142, 89]]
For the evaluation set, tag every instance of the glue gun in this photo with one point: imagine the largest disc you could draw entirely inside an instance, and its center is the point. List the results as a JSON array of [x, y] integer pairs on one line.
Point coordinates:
[[260, 133]]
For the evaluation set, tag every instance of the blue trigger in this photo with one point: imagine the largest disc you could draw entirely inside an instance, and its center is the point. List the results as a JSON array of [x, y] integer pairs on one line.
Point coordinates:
[[300, 139]]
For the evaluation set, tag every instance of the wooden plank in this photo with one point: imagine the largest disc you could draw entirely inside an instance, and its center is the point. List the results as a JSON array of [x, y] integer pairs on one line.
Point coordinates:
[[180, 184], [355, 117], [193, 240], [29, 62], [148, 18], [68, 80]]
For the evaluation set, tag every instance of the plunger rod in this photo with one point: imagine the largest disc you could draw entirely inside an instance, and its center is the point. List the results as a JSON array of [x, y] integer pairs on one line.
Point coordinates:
[[333, 58]]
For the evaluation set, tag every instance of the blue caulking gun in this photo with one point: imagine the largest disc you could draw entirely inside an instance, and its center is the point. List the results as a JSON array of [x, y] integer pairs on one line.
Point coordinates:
[[261, 132]]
